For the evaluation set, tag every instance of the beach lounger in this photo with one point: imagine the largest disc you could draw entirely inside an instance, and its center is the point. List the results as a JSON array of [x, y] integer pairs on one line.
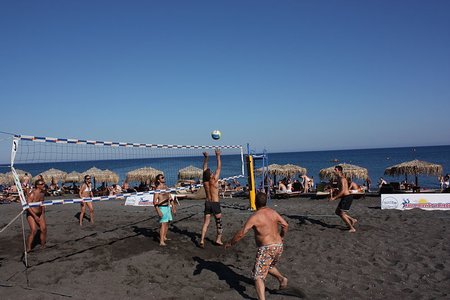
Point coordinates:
[[322, 195], [283, 195]]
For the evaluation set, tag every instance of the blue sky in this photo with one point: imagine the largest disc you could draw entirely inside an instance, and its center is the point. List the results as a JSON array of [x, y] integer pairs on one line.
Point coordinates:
[[280, 75]]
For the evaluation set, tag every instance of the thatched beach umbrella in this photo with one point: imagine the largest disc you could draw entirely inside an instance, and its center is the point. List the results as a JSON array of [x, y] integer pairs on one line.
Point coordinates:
[[9, 178], [414, 167], [190, 172], [143, 174], [273, 169], [284, 170], [112, 177], [351, 171], [50, 174], [101, 175], [2, 179], [294, 169], [73, 177]]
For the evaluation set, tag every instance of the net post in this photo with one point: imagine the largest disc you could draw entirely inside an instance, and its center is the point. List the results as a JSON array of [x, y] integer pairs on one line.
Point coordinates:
[[251, 182], [25, 253]]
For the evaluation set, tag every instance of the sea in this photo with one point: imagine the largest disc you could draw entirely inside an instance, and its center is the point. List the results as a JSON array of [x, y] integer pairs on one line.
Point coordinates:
[[374, 160]]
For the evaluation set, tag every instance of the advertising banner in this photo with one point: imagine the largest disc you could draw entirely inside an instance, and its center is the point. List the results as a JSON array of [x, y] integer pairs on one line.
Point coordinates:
[[416, 200], [143, 200]]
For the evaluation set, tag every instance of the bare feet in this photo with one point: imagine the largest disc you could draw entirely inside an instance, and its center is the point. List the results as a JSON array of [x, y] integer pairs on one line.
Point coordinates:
[[201, 244], [353, 221], [162, 244], [218, 243], [283, 283], [352, 229]]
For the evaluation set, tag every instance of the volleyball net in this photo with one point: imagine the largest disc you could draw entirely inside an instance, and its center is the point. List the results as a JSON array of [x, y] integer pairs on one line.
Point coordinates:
[[66, 160]]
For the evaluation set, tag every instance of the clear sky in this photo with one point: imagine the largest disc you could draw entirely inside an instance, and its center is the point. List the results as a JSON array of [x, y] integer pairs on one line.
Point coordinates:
[[281, 75]]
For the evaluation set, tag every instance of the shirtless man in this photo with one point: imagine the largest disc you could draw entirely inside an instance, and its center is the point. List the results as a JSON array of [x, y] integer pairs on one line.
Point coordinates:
[[306, 183], [346, 200], [86, 192], [164, 205], [212, 205], [36, 215], [269, 239]]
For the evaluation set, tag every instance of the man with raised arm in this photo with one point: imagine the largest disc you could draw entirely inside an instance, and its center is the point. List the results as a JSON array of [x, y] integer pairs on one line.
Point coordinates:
[[346, 199], [212, 204], [36, 215], [268, 237]]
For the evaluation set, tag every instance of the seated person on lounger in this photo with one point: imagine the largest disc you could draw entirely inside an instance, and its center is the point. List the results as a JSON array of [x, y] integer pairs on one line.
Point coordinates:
[[282, 187], [354, 187]]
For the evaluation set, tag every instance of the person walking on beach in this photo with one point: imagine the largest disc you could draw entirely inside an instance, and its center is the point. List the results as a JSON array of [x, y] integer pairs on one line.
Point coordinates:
[[212, 205], [164, 206], [368, 183], [269, 239], [36, 215], [86, 192], [346, 199]]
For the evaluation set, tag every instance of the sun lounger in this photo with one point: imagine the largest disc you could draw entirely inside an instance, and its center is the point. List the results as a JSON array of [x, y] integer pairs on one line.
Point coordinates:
[[227, 194], [321, 195], [283, 194]]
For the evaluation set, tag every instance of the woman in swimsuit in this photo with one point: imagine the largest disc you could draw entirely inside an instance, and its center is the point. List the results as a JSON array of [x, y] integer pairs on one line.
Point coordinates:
[[36, 215], [86, 192]]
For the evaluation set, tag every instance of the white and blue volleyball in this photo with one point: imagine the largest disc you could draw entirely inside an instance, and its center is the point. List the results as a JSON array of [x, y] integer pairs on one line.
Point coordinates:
[[216, 134]]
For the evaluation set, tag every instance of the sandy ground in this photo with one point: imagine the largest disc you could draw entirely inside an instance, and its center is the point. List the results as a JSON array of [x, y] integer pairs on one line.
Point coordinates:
[[393, 254]]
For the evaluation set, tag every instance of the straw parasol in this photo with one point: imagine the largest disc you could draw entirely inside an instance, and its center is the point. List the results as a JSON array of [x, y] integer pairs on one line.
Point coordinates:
[[351, 171], [73, 177], [8, 178], [51, 173], [414, 167], [101, 175], [143, 174], [284, 170], [2, 179], [274, 169], [294, 169], [190, 172]]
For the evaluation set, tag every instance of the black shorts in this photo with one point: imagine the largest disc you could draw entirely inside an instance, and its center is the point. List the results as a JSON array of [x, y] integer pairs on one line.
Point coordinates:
[[212, 208], [345, 203]]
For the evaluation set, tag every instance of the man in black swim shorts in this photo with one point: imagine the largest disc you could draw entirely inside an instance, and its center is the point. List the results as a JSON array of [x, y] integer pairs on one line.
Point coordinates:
[[346, 200], [212, 204]]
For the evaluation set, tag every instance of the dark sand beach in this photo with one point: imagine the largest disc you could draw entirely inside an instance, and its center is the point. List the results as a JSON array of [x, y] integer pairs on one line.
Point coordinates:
[[393, 255]]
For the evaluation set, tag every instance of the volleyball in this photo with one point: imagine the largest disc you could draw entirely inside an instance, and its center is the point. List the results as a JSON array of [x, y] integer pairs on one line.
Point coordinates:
[[216, 134]]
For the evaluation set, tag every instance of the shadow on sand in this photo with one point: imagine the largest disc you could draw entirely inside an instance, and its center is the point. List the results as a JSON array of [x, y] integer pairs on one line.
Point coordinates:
[[239, 282], [303, 220]]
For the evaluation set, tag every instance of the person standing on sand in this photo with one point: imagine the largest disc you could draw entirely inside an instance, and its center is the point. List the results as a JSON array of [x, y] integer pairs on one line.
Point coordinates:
[[36, 215], [86, 192], [346, 200], [269, 239], [164, 205], [368, 182], [212, 205]]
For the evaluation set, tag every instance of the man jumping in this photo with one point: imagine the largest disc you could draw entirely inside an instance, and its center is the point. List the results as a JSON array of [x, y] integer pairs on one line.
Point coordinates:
[[212, 205]]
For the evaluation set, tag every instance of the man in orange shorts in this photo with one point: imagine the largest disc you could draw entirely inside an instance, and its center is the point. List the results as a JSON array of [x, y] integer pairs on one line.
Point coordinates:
[[269, 239]]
